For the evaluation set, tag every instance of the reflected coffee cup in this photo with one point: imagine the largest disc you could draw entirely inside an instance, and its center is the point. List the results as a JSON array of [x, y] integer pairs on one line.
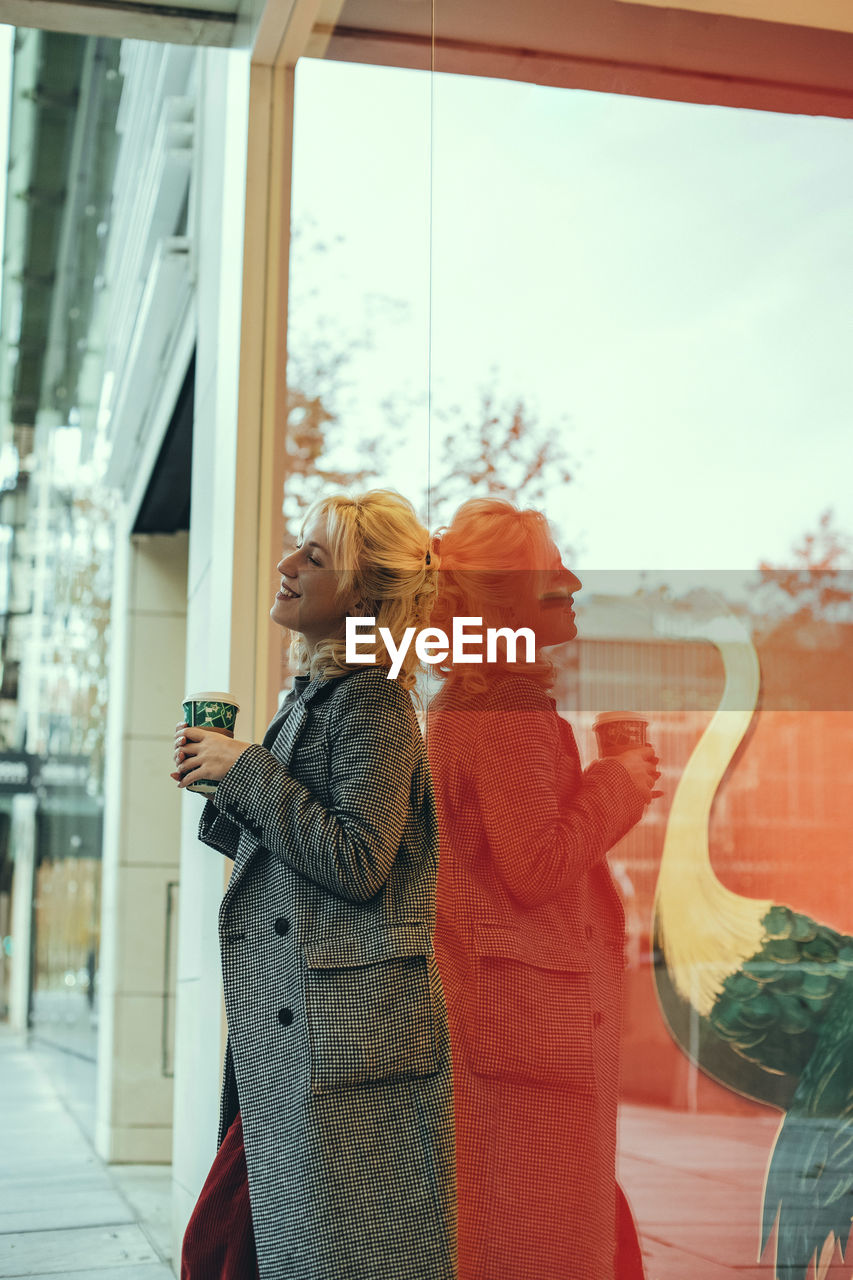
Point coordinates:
[[215, 711], [619, 731]]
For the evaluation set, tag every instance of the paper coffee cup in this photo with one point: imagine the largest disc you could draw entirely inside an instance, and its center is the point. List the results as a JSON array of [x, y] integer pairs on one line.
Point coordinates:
[[619, 731], [216, 711]]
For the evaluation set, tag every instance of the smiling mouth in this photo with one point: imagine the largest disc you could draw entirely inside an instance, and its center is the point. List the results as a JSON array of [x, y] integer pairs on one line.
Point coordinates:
[[284, 593]]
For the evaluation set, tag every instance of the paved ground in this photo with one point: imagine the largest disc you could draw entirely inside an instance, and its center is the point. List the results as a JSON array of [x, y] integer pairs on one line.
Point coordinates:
[[695, 1184], [63, 1212], [694, 1181]]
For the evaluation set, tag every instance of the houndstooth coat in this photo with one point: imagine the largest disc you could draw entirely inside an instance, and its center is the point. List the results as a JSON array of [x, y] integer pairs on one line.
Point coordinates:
[[338, 1052], [530, 945]]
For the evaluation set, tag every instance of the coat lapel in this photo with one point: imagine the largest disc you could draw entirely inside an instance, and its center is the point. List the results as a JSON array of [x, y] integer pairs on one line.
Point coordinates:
[[289, 721], [276, 723], [280, 739]]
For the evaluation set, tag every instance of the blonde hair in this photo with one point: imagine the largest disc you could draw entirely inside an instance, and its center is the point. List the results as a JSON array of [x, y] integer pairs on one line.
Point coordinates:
[[381, 553], [488, 553]]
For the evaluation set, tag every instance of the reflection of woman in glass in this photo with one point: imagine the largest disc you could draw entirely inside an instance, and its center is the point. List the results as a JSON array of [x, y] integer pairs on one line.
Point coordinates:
[[530, 929], [337, 1111]]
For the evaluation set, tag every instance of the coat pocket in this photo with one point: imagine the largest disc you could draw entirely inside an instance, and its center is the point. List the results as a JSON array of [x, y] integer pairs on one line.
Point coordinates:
[[533, 1018], [370, 1009]]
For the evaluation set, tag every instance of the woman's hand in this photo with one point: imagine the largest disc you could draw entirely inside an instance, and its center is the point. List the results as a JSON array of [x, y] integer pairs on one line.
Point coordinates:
[[203, 753], [641, 763]]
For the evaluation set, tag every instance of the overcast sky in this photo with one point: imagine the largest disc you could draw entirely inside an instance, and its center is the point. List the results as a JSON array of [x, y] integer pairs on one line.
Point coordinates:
[[674, 280]]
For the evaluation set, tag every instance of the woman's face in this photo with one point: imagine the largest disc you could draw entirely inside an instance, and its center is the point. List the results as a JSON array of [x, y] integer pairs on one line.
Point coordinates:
[[306, 599], [553, 589]]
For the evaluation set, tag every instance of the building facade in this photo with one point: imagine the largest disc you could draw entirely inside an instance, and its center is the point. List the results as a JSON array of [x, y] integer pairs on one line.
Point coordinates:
[[153, 429]]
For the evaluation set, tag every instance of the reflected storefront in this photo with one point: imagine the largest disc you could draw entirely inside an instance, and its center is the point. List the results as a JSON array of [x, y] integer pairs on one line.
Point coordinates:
[[67, 908], [627, 313], [14, 780], [57, 527], [51, 832]]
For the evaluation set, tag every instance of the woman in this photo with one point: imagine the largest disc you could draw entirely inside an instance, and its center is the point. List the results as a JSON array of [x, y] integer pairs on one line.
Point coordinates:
[[338, 1053], [530, 928]]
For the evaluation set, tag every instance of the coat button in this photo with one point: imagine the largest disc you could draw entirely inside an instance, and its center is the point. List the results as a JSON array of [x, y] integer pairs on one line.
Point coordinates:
[[589, 932], [285, 1017], [281, 926], [596, 1018]]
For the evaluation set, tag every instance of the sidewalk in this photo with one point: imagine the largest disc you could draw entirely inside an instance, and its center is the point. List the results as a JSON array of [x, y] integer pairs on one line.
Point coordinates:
[[62, 1211], [694, 1182]]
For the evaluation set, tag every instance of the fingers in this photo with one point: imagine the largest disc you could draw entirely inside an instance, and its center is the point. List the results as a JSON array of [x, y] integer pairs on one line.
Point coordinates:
[[185, 758], [184, 749], [191, 775], [185, 774], [189, 734]]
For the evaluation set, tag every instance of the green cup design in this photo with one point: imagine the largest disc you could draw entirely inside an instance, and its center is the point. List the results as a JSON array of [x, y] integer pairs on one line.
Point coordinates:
[[216, 711]]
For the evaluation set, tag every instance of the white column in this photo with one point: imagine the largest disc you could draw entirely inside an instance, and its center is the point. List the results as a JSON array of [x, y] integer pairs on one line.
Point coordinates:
[[214, 597]]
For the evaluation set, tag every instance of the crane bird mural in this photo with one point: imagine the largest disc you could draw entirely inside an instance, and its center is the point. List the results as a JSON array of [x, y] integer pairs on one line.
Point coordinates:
[[760, 996]]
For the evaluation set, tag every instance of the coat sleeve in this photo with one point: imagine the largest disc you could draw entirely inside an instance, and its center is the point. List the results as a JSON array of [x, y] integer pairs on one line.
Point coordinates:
[[541, 842], [349, 845], [218, 831]]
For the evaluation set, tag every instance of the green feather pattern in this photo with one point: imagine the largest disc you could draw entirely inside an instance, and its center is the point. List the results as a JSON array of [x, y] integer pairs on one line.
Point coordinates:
[[810, 1180], [789, 1009], [771, 1010]]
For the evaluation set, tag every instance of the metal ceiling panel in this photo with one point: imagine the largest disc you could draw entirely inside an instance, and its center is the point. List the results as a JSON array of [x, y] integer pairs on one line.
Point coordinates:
[[213, 22]]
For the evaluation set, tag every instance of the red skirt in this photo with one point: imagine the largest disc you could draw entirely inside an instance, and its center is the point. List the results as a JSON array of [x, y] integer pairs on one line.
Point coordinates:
[[219, 1242]]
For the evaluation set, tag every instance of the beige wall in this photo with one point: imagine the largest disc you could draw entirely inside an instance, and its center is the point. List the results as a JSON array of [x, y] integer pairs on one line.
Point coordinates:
[[141, 856]]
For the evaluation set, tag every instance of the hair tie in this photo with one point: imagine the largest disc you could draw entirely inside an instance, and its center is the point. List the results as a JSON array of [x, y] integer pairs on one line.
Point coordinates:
[[427, 558]]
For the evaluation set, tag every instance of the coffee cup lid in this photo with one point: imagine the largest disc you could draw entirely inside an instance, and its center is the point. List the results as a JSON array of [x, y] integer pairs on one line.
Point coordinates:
[[212, 697], [608, 717]]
